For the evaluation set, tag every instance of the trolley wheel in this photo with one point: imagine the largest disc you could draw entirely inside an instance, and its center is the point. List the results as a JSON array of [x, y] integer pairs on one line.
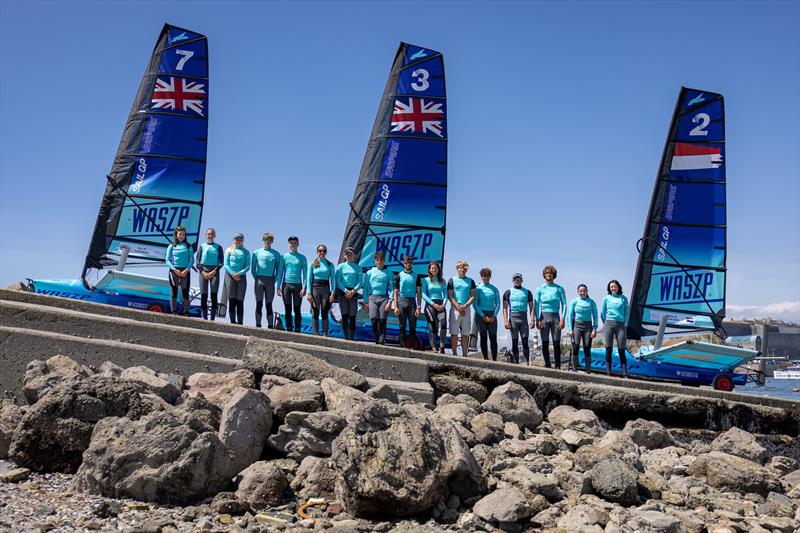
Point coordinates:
[[723, 382], [156, 308]]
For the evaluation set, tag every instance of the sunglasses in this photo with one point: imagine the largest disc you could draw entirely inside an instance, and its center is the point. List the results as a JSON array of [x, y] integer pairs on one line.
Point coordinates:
[[322, 251]]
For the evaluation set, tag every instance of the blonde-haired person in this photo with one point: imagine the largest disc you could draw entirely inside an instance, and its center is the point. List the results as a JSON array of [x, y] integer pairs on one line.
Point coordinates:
[[550, 307], [179, 260], [378, 296], [237, 263], [266, 268], [320, 284], [461, 293], [209, 261]]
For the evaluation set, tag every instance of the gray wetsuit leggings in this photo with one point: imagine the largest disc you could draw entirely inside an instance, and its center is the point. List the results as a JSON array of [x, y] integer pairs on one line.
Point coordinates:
[[408, 308], [550, 330], [613, 329], [582, 336], [176, 282], [437, 324], [489, 330], [236, 292], [519, 330], [264, 288], [205, 285], [378, 315]]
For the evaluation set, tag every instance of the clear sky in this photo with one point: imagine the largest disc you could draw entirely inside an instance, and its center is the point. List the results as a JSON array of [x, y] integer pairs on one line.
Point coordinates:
[[557, 113]]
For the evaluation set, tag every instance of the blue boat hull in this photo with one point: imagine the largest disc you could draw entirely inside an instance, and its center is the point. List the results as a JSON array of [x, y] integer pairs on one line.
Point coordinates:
[[364, 331]]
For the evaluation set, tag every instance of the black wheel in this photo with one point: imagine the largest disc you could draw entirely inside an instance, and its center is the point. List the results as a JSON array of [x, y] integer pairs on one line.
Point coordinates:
[[723, 382]]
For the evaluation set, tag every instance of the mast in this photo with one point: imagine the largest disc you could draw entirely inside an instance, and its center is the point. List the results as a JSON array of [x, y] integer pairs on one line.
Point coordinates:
[[157, 179], [681, 269]]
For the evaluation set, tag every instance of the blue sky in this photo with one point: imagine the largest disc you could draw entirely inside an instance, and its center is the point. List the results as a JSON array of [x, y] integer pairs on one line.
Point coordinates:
[[557, 118]]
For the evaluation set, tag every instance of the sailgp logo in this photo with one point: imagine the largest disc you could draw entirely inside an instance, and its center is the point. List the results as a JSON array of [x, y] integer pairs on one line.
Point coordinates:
[[383, 202], [141, 172], [664, 242]]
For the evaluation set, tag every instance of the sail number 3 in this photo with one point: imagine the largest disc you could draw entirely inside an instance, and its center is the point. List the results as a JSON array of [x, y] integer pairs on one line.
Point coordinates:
[[422, 76]]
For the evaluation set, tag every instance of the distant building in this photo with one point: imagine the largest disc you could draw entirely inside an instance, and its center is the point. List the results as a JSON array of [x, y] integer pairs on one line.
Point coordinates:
[[782, 339]]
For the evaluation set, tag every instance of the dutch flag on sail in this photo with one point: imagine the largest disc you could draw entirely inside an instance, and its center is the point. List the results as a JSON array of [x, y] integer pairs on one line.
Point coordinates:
[[696, 157]]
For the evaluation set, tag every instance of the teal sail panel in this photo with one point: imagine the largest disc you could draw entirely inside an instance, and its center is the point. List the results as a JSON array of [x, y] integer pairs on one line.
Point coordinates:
[[158, 177], [682, 261]]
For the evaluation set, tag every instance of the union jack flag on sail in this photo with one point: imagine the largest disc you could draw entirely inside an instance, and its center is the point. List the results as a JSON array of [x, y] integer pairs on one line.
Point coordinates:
[[418, 116], [178, 94]]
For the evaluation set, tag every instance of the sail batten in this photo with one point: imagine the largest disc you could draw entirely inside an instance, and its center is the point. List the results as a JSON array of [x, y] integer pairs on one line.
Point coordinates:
[[682, 262], [157, 180]]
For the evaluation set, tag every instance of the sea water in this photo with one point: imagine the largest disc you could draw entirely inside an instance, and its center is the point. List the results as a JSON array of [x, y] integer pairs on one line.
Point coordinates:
[[774, 388]]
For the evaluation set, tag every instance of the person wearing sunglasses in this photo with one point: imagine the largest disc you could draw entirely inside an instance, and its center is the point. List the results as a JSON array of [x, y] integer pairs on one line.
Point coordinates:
[[179, 260], [517, 303], [320, 284], [377, 296], [461, 293], [406, 306], [487, 307], [348, 283], [433, 291], [551, 301], [292, 287], [237, 263], [209, 261], [265, 268]]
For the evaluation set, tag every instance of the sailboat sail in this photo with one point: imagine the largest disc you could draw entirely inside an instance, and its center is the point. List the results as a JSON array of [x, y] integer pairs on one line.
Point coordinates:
[[681, 269], [158, 177], [401, 196]]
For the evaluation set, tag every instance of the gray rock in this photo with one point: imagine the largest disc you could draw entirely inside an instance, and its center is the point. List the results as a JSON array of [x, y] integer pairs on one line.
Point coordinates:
[[400, 460], [729, 472], [205, 411], [777, 505], [304, 396], [615, 480], [488, 427], [262, 485], [512, 402], [512, 431], [147, 380], [165, 457], [581, 420], [457, 412], [582, 517], [41, 376], [587, 456], [315, 478], [383, 392], [622, 445], [56, 430], [263, 357], [653, 522], [10, 417], [217, 387], [245, 425], [779, 524], [649, 434], [782, 465], [303, 434], [791, 481], [110, 370], [532, 482], [667, 461], [503, 505], [228, 503], [740, 443], [447, 384], [343, 400], [576, 439], [270, 380]]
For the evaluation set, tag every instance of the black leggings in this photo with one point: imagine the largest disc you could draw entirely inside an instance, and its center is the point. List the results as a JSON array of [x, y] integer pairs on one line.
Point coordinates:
[[204, 305], [437, 324], [176, 281], [485, 329], [236, 310], [582, 336], [408, 308], [556, 353], [320, 296], [292, 302]]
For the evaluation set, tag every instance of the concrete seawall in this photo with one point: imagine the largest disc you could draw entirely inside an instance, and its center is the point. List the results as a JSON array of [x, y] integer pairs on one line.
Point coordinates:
[[36, 326]]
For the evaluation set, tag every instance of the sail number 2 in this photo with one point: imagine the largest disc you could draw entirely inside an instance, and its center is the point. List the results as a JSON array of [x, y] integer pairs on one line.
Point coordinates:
[[422, 76], [704, 120]]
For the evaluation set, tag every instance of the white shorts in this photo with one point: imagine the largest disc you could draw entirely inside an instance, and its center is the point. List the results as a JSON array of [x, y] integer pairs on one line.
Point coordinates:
[[460, 323]]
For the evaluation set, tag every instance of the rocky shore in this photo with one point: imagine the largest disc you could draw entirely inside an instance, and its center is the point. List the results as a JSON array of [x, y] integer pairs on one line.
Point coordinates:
[[288, 442]]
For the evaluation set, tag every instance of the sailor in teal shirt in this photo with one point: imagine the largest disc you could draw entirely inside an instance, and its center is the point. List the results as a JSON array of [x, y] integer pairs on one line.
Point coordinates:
[[237, 263], [348, 283], [551, 302], [406, 306], [266, 267], [320, 284], [461, 293], [614, 313], [582, 326], [209, 262], [377, 296], [487, 305], [517, 303], [292, 286], [433, 291], [179, 260]]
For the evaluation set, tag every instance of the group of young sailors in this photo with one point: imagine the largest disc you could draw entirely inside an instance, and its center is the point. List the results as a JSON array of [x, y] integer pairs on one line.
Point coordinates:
[[322, 283]]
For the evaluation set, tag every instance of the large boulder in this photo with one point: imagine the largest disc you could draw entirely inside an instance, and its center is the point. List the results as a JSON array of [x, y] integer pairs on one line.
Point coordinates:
[[245, 425], [165, 457], [343, 400], [217, 387], [503, 505], [488, 427], [649, 434], [729, 472], [41, 376], [10, 417], [262, 485], [400, 460], [315, 478], [532, 482], [56, 430], [512, 402], [583, 421], [447, 384], [740, 443], [150, 381], [304, 396], [615, 481], [208, 413], [264, 357], [303, 434], [457, 412]]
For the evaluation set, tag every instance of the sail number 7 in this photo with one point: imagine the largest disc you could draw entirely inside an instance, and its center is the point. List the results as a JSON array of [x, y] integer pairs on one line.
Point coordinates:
[[704, 120], [187, 54]]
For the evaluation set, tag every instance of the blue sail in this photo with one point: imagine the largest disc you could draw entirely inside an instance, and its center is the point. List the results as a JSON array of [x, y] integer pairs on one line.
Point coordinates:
[[681, 270], [400, 200], [158, 177]]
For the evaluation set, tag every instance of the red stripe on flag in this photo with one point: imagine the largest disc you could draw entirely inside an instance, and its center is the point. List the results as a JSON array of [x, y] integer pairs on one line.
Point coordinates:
[[696, 149]]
